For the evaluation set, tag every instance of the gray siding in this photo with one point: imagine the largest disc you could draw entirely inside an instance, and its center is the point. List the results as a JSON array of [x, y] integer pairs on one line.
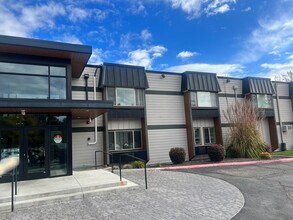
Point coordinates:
[[165, 109], [124, 124], [169, 83], [161, 141], [83, 155]]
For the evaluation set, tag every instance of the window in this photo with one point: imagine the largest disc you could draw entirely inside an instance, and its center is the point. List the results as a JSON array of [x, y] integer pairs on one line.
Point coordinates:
[[262, 101], [27, 81], [197, 138], [203, 99], [126, 96], [124, 140], [209, 135]]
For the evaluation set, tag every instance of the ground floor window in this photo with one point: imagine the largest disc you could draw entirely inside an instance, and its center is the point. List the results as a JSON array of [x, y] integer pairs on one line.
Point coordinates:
[[124, 140], [197, 136], [209, 135], [206, 134]]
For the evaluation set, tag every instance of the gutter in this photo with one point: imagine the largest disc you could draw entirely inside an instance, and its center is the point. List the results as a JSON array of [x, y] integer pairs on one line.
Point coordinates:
[[279, 115], [95, 98]]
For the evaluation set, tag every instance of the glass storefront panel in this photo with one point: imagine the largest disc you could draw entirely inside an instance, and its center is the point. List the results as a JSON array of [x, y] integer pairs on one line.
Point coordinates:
[[58, 151], [36, 150], [23, 87], [23, 68], [57, 88], [57, 71], [9, 143]]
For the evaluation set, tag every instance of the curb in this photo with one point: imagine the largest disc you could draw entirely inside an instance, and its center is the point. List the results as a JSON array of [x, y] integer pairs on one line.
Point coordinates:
[[283, 160]]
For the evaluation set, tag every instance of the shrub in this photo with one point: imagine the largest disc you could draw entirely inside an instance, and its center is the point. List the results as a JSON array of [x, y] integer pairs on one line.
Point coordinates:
[[177, 155], [233, 152], [244, 118], [265, 155], [216, 152], [137, 164]]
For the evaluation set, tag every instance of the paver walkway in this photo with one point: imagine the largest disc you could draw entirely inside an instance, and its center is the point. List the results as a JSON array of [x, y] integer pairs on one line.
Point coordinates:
[[170, 195]]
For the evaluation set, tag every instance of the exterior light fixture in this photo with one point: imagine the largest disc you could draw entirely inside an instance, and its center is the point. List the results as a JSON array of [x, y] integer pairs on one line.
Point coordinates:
[[22, 112], [163, 76]]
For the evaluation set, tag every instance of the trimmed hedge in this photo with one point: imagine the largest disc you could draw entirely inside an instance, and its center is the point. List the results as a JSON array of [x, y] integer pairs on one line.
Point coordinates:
[[216, 152], [177, 155]]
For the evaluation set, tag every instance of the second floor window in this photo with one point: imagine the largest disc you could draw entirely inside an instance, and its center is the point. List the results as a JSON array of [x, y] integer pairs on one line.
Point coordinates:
[[262, 100], [203, 99], [126, 96]]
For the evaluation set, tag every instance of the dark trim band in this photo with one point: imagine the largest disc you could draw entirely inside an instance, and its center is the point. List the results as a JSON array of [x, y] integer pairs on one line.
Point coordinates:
[[157, 92], [162, 127]]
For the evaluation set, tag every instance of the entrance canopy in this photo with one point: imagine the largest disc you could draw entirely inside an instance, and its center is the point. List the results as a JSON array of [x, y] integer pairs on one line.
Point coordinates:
[[80, 109]]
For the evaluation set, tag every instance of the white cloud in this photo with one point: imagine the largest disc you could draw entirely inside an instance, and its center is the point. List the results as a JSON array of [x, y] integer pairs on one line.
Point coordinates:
[[186, 54], [17, 19], [144, 57], [77, 14], [71, 39], [96, 57], [146, 35], [273, 36], [274, 70], [247, 9], [195, 8], [220, 69]]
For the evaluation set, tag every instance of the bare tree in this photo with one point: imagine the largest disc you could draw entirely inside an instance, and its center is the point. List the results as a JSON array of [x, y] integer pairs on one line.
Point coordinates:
[[288, 77]]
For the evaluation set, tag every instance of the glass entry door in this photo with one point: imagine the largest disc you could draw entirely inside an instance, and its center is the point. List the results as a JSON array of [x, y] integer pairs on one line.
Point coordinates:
[[30, 145], [35, 163]]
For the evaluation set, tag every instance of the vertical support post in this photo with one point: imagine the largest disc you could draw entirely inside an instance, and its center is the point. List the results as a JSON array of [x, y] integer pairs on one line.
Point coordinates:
[[96, 160], [145, 176], [12, 190], [120, 167], [15, 184], [111, 158]]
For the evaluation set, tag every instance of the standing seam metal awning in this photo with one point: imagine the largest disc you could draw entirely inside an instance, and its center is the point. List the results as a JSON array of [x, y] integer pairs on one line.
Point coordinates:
[[199, 81], [253, 85], [118, 75]]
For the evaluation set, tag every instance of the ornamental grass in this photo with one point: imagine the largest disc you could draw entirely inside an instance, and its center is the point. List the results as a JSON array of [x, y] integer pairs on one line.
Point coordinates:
[[244, 136]]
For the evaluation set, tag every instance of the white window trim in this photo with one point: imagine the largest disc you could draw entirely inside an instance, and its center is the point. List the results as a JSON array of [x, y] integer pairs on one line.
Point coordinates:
[[200, 136], [133, 147], [209, 129]]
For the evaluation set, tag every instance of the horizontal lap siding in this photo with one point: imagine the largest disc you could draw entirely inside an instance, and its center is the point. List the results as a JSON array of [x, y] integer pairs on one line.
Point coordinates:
[[165, 110], [204, 122], [224, 104], [287, 138], [83, 155], [169, 83], [81, 95], [227, 87], [81, 81], [82, 123], [124, 124], [161, 141], [286, 111], [283, 89]]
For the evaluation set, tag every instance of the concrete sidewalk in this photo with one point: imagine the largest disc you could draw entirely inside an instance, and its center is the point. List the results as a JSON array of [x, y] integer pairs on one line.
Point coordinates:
[[78, 186]]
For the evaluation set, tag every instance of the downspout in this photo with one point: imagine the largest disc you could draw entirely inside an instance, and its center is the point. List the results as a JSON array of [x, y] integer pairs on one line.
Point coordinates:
[[279, 115], [96, 120]]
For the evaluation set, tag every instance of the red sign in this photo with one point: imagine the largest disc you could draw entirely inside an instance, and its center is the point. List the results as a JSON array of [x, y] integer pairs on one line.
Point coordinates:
[[57, 139]]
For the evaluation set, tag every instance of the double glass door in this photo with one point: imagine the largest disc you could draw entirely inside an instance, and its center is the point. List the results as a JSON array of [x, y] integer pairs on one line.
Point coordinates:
[[30, 145]]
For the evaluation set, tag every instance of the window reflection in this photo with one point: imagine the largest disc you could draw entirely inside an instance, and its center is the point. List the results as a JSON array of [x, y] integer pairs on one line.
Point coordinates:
[[57, 71], [23, 87], [57, 88], [23, 68], [26, 81]]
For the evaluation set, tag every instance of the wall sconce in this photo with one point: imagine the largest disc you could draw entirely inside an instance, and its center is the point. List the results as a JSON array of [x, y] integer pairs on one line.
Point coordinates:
[[22, 112], [163, 76], [89, 121], [86, 76]]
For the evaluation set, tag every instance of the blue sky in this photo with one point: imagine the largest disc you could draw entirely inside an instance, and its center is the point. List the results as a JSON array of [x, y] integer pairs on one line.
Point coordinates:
[[234, 38]]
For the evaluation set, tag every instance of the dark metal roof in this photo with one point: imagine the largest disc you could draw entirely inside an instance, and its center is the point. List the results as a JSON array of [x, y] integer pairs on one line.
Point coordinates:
[[291, 89], [77, 54], [199, 81], [257, 86], [118, 75]]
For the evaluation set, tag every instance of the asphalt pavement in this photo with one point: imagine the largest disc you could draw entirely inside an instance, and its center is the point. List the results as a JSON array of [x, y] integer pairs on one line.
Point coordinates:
[[267, 188]]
